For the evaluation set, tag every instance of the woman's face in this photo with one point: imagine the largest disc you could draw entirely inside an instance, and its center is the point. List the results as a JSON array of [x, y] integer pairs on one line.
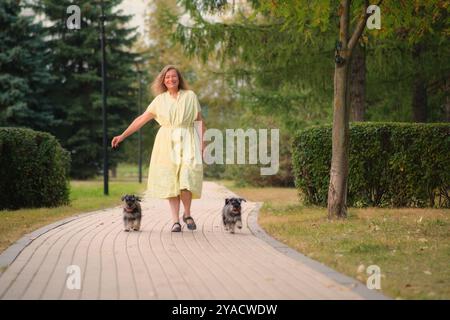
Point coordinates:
[[171, 79]]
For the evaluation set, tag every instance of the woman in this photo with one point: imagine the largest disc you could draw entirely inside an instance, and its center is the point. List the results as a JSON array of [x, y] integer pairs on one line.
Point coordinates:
[[176, 170]]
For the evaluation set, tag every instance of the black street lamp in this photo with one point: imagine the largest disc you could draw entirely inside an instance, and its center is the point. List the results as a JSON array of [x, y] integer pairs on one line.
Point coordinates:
[[139, 71], [104, 113]]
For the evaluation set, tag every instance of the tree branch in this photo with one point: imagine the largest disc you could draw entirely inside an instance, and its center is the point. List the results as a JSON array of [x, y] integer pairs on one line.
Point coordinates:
[[359, 28], [344, 22]]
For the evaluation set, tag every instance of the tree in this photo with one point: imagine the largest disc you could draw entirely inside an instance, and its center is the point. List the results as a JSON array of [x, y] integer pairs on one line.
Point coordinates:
[[318, 23], [358, 84], [274, 82], [406, 24], [337, 191], [24, 76], [76, 64], [413, 42]]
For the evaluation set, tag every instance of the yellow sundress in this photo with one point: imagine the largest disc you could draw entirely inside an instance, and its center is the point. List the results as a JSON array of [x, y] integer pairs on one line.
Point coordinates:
[[176, 161]]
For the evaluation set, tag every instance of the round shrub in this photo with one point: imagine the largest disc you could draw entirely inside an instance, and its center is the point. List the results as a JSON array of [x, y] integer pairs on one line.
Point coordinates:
[[34, 169], [390, 164]]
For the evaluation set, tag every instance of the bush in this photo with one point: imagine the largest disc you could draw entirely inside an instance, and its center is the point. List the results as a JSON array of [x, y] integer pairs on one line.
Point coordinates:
[[34, 169], [390, 164]]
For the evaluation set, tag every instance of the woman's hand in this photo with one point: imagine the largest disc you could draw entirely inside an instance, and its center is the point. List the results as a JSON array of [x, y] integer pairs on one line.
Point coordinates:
[[133, 127], [116, 140]]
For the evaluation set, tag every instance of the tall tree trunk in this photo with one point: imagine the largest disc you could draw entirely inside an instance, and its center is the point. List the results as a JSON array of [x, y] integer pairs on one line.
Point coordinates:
[[419, 99], [358, 84], [337, 190]]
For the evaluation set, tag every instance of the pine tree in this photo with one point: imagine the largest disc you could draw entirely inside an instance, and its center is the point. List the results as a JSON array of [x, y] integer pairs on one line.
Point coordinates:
[[24, 76], [76, 62]]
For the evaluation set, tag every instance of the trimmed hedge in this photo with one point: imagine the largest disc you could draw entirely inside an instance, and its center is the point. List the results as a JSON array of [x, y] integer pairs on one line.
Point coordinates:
[[390, 164], [34, 169]]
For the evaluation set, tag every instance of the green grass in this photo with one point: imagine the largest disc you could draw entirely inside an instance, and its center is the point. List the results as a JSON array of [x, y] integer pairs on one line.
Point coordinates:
[[85, 196], [127, 172], [410, 245]]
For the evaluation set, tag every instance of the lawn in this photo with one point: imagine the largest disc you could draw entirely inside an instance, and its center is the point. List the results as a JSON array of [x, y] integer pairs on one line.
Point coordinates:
[[85, 196], [410, 245], [130, 172]]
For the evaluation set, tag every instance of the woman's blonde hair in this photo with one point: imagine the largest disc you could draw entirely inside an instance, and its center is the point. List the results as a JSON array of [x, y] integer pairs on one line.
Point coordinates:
[[158, 85]]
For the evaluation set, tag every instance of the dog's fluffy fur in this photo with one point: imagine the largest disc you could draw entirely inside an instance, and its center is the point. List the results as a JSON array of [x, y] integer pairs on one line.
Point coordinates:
[[231, 214], [132, 213]]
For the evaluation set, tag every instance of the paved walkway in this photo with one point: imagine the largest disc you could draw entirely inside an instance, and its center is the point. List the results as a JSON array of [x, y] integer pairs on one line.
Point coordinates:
[[155, 263]]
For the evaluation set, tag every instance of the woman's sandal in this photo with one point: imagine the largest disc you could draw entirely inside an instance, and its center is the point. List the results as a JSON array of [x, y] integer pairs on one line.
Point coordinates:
[[176, 227], [190, 222]]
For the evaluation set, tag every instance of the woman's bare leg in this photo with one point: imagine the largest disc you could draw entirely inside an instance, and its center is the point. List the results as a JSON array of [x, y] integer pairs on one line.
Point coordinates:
[[186, 198], [174, 203]]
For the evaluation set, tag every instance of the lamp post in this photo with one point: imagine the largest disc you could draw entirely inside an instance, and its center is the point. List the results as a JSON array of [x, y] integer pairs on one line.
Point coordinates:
[[104, 114], [139, 71]]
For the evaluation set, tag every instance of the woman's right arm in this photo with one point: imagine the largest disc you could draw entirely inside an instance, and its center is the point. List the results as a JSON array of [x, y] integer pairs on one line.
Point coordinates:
[[132, 128]]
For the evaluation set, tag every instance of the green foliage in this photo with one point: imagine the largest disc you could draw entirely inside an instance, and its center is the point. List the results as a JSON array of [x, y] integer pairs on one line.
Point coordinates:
[[34, 169], [270, 47], [76, 64], [411, 44], [266, 60], [390, 164], [24, 77]]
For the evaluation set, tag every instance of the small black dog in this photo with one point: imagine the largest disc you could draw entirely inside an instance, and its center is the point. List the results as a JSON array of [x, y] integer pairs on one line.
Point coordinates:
[[132, 212], [231, 214]]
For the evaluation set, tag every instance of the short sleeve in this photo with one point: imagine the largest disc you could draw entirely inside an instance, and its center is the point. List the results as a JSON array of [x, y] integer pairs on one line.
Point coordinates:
[[152, 108]]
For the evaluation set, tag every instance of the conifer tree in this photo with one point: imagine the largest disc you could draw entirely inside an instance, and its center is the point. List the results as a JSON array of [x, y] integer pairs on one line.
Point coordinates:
[[76, 62], [24, 76]]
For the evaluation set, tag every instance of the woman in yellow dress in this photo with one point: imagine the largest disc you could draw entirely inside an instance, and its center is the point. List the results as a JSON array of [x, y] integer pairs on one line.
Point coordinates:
[[176, 169]]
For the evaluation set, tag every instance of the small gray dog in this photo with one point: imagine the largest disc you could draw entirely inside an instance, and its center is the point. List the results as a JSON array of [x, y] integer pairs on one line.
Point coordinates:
[[231, 214], [132, 213]]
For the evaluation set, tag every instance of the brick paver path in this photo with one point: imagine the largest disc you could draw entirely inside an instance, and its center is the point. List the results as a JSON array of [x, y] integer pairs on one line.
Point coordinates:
[[155, 263]]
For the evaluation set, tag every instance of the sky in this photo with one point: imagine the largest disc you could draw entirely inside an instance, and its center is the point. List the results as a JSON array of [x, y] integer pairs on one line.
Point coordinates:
[[137, 8]]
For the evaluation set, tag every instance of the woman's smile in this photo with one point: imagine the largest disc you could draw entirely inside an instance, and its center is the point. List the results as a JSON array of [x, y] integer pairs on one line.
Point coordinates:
[[171, 79]]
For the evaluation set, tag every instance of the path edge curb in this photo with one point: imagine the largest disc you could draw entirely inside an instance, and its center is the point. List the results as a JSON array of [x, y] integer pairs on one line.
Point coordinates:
[[351, 283], [8, 256]]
